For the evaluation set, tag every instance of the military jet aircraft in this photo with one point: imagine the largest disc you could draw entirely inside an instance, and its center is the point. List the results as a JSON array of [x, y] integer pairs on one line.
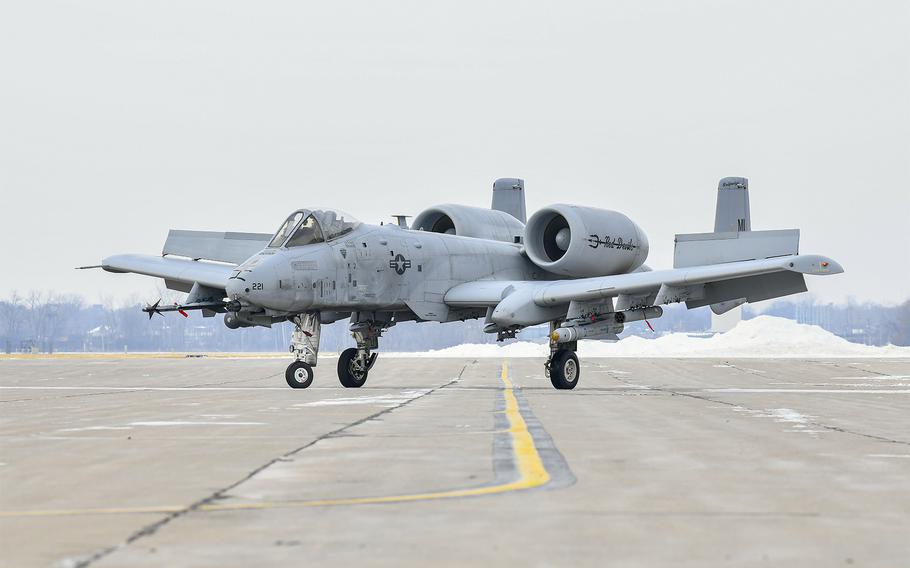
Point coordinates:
[[579, 269]]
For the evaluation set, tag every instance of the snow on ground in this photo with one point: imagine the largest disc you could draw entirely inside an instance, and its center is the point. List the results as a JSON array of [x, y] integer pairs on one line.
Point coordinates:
[[763, 336]]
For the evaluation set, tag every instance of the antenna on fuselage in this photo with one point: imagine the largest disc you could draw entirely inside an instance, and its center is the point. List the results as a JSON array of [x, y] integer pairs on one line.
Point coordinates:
[[402, 220]]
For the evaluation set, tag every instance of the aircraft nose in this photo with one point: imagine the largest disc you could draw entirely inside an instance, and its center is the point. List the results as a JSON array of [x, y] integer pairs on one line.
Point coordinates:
[[236, 289]]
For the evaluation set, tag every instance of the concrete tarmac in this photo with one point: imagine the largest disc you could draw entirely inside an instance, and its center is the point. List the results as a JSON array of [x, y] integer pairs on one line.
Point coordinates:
[[649, 462]]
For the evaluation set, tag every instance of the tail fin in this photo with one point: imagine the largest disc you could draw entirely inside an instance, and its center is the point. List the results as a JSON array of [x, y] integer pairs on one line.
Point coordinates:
[[733, 238], [732, 214], [509, 197]]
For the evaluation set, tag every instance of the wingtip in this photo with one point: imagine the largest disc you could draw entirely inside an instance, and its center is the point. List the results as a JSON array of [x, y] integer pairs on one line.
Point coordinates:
[[815, 265]]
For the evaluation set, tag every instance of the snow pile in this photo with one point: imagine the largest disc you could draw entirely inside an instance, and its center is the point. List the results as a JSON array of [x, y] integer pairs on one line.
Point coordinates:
[[763, 336]]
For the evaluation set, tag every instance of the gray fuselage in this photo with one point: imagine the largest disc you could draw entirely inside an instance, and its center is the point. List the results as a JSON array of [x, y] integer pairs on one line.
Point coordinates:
[[376, 268]]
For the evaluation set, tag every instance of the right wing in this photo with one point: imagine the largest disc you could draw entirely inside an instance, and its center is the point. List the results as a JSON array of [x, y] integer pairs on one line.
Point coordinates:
[[178, 273], [228, 249]]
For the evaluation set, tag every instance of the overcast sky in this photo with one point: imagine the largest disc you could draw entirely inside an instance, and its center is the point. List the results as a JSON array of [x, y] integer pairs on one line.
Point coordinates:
[[120, 120]]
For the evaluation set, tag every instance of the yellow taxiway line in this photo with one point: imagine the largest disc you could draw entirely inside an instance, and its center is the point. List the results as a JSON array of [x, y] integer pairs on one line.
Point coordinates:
[[531, 473]]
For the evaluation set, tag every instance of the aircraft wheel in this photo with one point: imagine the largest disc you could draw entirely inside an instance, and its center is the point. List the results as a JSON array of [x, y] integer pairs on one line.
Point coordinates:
[[299, 375], [564, 369], [351, 374]]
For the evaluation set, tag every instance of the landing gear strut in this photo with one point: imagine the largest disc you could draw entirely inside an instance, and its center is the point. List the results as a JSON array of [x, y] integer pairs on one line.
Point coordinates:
[[354, 363], [305, 347], [562, 366]]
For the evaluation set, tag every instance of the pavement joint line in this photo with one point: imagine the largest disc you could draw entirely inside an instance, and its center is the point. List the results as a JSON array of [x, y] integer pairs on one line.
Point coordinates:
[[175, 512], [855, 368], [531, 473], [530, 469], [689, 393]]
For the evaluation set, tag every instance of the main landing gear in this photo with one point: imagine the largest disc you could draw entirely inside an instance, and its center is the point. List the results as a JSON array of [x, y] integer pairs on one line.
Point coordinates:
[[562, 366], [354, 364]]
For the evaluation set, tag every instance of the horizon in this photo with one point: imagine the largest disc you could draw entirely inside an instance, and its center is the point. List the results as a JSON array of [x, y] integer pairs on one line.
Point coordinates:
[[122, 122]]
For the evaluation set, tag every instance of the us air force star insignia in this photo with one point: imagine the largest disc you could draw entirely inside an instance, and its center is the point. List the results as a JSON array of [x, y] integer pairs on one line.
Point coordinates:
[[400, 264]]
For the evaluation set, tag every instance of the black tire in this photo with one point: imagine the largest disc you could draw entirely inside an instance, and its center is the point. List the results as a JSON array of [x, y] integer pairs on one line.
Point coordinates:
[[346, 374], [564, 370], [299, 375]]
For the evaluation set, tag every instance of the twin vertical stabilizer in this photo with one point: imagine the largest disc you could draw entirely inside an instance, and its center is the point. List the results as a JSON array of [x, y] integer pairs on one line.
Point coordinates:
[[509, 197], [732, 214]]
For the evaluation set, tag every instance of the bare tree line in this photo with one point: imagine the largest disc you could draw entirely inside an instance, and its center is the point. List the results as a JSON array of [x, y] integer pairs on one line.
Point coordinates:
[[46, 321], [40, 316]]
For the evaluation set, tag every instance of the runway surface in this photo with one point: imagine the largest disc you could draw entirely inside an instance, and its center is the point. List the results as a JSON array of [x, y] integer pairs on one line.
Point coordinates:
[[666, 462]]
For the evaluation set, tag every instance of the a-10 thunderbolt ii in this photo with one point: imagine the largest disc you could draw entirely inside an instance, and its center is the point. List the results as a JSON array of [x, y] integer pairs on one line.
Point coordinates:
[[580, 269]]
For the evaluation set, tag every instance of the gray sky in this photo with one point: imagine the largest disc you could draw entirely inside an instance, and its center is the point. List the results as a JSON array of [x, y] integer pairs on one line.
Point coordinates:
[[120, 120]]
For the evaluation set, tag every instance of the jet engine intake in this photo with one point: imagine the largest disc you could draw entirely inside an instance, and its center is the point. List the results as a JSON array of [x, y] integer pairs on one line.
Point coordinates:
[[581, 242], [466, 221]]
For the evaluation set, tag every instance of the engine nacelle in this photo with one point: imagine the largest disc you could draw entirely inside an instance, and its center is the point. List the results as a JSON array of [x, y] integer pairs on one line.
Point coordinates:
[[584, 241], [466, 221]]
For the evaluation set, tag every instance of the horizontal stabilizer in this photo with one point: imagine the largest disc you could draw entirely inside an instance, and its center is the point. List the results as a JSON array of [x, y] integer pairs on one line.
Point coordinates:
[[213, 245], [702, 249]]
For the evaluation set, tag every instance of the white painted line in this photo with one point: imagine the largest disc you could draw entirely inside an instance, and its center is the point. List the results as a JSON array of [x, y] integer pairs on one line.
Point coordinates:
[[192, 423], [807, 391], [155, 388], [387, 400], [878, 378], [89, 428]]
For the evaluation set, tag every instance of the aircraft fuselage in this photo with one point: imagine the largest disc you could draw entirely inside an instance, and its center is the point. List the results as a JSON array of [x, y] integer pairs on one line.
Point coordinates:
[[376, 268]]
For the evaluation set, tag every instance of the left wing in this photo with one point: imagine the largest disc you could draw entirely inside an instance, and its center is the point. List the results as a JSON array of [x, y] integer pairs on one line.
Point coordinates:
[[523, 303]]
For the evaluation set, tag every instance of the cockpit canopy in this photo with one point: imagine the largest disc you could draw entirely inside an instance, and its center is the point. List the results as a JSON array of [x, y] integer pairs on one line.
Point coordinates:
[[308, 226]]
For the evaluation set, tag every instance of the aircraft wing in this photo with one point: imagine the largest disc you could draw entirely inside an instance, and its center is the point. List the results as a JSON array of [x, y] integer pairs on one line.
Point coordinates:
[[178, 273], [193, 250], [526, 302]]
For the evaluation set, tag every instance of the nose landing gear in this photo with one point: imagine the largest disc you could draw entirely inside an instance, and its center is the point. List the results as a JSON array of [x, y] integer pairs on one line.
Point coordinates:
[[299, 375], [305, 347]]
